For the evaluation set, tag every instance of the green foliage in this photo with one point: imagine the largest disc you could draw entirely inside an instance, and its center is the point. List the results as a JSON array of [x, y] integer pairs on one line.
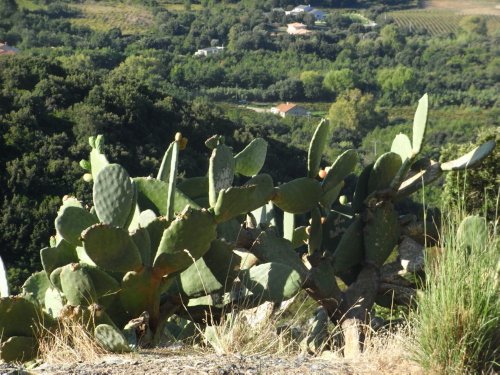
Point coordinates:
[[458, 319]]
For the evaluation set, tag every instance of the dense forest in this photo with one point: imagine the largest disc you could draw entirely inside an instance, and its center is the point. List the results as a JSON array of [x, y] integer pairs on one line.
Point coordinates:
[[68, 81]]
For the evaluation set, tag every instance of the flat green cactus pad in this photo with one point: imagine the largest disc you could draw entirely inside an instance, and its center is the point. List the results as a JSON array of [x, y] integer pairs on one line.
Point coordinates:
[[114, 195], [340, 169], [213, 272], [77, 285], [401, 145], [18, 349], [20, 317], [142, 241], [250, 161], [35, 286], [381, 233], [111, 339], [187, 237], [220, 171], [349, 251], [194, 187], [385, 169], [153, 195], [274, 282], [471, 159], [361, 191], [53, 257], [111, 248], [316, 147], [240, 200], [420, 123], [298, 196], [140, 293], [71, 221], [270, 248]]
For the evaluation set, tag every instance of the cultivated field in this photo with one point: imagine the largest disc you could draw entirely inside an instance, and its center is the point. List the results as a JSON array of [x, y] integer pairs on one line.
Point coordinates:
[[104, 16], [442, 16]]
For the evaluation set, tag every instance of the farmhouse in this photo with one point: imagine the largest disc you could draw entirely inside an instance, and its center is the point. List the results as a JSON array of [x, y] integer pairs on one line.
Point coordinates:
[[208, 51], [7, 50], [289, 109], [297, 28]]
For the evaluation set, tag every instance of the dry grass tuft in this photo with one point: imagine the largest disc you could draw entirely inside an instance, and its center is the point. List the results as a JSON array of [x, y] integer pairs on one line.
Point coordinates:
[[69, 342]]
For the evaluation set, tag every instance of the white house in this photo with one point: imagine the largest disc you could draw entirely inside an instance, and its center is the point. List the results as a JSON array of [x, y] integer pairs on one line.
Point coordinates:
[[208, 51], [318, 14], [297, 28], [289, 109]]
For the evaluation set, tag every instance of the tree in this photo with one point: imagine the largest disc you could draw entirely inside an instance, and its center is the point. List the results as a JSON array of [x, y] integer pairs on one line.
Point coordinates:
[[312, 82], [356, 112], [399, 84], [7, 8], [339, 81]]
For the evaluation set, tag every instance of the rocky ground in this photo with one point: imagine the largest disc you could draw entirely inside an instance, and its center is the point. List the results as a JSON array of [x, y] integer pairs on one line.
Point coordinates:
[[171, 362]]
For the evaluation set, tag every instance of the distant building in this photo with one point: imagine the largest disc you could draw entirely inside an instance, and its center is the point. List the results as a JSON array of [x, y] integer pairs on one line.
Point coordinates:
[[301, 9], [318, 14], [297, 28], [208, 51], [289, 109], [7, 50]]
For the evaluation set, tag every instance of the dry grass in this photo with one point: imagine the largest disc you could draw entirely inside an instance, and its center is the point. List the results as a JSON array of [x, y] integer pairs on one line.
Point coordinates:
[[69, 342]]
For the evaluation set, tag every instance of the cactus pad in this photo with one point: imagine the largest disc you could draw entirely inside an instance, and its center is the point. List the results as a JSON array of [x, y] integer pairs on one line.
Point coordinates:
[[385, 169], [111, 338], [191, 232], [240, 200], [340, 169], [220, 172], [53, 257], [420, 123], [381, 233], [251, 160], [213, 272], [274, 282], [316, 148], [111, 248], [18, 349], [349, 251], [401, 145], [77, 285], [470, 159], [114, 195], [71, 221], [35, 286], [298, 196]]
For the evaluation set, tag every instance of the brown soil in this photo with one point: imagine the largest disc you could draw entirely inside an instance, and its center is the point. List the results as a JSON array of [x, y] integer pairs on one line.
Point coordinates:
[[466, 7]]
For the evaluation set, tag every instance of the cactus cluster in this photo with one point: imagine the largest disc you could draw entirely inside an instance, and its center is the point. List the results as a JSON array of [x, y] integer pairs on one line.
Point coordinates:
[[148, 248]]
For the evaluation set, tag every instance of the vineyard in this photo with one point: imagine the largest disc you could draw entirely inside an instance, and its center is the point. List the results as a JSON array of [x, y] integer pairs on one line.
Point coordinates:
[[436, 22], [129, 19]]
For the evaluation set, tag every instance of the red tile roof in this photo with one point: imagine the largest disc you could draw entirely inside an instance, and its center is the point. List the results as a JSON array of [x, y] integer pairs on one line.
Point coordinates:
[[285, 107]]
